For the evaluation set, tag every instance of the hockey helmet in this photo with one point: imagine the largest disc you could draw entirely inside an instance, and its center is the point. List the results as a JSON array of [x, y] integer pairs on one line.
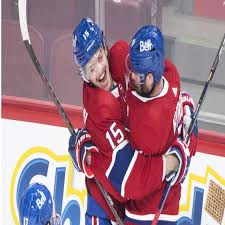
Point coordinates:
[[36, 205], [87, 39], [147, 53]]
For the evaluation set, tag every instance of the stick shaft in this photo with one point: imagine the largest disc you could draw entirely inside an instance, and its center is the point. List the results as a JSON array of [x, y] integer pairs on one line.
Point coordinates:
[[210, 77], [26, 39]]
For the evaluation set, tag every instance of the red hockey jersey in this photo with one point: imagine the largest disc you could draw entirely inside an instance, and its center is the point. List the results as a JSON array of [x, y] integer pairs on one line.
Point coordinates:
[[153, 121], [153, 126]]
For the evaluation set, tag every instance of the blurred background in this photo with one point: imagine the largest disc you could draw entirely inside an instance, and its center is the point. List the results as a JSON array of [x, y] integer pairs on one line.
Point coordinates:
[[193, 30]]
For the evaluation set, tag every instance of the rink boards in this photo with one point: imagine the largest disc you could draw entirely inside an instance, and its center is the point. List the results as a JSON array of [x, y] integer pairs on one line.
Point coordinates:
[[35, 149]]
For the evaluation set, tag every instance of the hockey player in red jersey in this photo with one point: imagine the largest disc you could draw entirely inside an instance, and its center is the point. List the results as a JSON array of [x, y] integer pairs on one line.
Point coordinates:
[[98, 105], [154, 95]]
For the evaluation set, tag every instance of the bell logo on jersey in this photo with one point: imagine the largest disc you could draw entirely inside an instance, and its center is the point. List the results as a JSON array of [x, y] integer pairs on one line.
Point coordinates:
[[146, 45]]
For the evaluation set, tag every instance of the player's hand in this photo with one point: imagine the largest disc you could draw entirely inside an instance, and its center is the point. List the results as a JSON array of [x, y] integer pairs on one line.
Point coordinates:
[[181, 151], [171, 163], [80, 147]]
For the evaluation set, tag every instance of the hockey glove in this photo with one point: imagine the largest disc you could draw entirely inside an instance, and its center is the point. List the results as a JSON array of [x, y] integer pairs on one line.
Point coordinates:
[[181, 151], [79, 145], [188, 113], [188, 109]]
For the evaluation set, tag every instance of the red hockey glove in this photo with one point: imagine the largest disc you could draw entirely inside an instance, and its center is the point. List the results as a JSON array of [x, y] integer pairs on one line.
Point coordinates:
[[79, 145], [188, 112], [181, 151], [188, 109]]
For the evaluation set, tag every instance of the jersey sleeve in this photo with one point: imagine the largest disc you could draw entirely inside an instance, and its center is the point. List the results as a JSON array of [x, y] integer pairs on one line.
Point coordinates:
[[117, 62]]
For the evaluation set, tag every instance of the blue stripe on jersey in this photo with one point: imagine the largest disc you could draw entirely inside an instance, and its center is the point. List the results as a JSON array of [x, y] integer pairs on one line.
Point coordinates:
[[94, 209], [123, 159]]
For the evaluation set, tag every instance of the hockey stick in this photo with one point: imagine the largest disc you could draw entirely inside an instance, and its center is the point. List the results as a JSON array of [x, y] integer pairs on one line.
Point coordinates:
[[191, 127], [26, 39], [210, 77]]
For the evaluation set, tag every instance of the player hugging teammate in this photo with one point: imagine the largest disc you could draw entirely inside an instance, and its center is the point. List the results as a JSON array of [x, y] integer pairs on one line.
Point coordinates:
[[133, 136]]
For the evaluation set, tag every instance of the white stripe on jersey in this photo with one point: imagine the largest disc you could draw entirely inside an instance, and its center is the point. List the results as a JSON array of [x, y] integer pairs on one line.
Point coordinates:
[[128, 173], [113, 223], [150, 217], [94, 220]]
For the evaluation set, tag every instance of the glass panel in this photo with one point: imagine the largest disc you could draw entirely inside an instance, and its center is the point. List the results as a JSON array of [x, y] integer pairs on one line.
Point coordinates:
[[192, 29], [124, 17], [51, 24]]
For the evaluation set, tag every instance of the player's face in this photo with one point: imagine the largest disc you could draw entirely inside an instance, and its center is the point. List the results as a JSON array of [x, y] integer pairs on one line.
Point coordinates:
[[146, 88], [97, 70]]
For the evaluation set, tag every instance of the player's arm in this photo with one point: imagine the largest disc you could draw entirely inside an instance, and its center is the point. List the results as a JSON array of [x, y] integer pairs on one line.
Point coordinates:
[[184, 151], [117, 61], [135, 175], [143, 172], [188, 112], [80, 147], [129, 170]]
